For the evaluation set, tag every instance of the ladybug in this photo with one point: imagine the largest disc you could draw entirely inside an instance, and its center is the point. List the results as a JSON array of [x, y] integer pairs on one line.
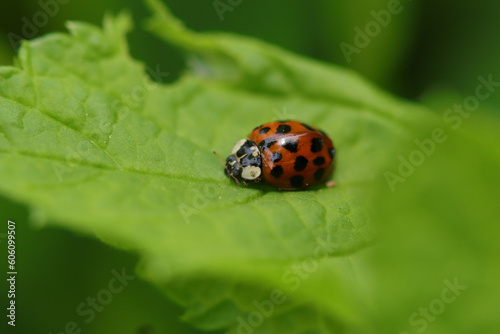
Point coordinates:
[[288, 155]]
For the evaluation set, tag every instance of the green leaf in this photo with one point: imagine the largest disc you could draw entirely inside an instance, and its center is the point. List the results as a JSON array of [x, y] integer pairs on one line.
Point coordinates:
[[90, 142], [437, 267]]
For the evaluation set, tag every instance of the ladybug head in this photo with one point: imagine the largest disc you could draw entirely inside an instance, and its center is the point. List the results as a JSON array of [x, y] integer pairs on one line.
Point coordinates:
[[233, 167], [244, 161]]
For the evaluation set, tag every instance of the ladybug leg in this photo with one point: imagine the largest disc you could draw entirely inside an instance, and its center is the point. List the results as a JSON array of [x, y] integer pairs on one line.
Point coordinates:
[[236, 180], [246, 183]]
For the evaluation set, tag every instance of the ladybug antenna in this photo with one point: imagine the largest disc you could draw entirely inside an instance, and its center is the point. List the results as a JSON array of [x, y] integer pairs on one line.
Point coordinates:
[[221, 160]]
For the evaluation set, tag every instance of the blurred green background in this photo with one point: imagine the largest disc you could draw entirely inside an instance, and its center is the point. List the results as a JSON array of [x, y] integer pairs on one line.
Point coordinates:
[[431, 52], [444, 44]]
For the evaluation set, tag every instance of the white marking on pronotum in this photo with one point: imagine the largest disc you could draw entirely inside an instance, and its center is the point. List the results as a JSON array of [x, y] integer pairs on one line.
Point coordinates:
[[238, 145], [250, 172]]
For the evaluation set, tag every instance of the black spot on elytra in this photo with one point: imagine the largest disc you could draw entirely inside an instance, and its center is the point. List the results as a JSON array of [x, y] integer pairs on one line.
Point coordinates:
[[276, 157], [297, 181], [257, 127], [291, 145], [266, 143], [271, 143], [308, 127], [318, 175], [317, 145], [284, 128], [332, 153], [319, 161], [277, 171], [300, 163], [264, 130]]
